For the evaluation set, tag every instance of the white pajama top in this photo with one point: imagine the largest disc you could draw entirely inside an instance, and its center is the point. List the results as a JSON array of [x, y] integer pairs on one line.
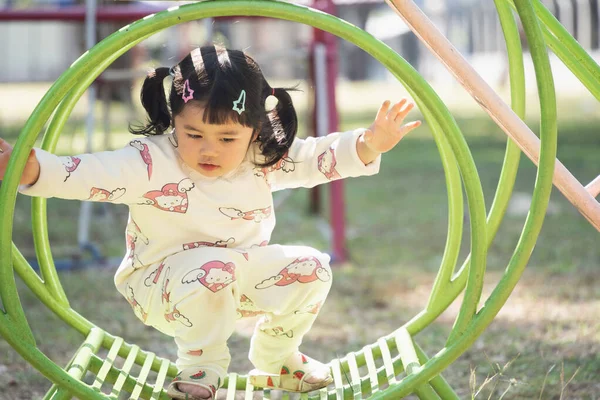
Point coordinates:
[[174, 208]]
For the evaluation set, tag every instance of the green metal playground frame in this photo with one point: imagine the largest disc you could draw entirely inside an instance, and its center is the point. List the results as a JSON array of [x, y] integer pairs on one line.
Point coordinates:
[[404, 367]]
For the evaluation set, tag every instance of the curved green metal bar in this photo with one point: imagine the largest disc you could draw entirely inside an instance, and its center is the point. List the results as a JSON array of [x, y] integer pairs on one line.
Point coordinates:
[[543, 185], [570, 52], [512, 155], [276, 10], [478, 236], [49, 142], [510, 165], [440, 289], [476, 268], [38, 204], [578, 69], [51, 139], [41, 243], [533, 223], [38, 286], [447, 293]]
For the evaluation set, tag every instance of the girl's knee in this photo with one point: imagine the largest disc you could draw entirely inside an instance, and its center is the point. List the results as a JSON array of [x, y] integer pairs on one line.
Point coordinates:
[[311, 266], [320, 262]]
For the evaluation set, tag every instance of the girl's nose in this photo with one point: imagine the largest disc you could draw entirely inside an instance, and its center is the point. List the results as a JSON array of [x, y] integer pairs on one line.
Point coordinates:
[[208, 149]]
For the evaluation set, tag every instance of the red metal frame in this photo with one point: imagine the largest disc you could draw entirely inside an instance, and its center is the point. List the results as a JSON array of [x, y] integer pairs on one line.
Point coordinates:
[[129, 13], [336, 197], [124, 13]]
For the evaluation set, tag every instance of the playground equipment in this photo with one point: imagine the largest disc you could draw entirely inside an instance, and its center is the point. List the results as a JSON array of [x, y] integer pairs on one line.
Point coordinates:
[[320, 55], [403, 367]]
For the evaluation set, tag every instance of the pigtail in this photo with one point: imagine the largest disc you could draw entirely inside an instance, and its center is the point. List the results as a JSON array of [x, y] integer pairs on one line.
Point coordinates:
[[154, 101], [280, 128]]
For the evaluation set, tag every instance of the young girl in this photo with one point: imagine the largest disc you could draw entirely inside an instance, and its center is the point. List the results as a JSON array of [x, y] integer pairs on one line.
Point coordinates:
[[198, 183]]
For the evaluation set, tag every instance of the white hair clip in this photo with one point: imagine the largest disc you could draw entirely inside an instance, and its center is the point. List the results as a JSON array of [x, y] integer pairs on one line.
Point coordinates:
[[240, 104]]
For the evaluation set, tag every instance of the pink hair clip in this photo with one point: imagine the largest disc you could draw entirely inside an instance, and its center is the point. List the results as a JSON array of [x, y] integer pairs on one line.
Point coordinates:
[[190, 93]]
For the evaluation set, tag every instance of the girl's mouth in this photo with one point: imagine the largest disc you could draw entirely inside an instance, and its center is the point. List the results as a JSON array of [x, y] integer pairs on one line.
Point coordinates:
[[208, 167]]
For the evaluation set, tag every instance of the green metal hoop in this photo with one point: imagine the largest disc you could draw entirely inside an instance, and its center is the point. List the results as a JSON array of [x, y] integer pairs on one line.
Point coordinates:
[[57, 104]]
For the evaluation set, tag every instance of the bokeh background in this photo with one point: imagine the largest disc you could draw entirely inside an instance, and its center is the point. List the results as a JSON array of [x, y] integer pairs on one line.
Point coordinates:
[[544, 344]]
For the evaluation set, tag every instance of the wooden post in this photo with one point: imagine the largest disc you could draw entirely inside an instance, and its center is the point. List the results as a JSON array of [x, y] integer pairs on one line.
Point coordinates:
[[489, 100]]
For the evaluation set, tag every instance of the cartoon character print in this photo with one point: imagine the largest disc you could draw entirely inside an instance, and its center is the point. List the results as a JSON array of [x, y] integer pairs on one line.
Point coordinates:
[[134, 234], [172, 197], [71, 163], [303, 270], [253, 215], [145, 153], [278, 331], [171, 313], [154, 276], [98, 194], [247, 308], [326, 163], [285, 164], [137, 307], [214, 275], [310, 309], [218, 243]]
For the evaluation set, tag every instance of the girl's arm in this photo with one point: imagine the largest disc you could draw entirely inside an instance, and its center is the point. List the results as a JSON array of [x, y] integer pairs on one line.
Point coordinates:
[[31, 172], [316, 160], [386, 131], [313, 161], [119, 176]]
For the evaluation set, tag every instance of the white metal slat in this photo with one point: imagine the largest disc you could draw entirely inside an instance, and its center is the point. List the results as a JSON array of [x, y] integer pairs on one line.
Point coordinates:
[[355, 376], [387, 360], [371, 368]]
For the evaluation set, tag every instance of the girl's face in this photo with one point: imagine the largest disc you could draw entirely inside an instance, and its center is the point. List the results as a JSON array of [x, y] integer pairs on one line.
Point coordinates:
[[212, 150]]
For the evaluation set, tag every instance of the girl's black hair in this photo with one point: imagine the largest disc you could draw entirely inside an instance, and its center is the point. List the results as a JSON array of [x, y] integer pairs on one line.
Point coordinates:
[[216, 77]]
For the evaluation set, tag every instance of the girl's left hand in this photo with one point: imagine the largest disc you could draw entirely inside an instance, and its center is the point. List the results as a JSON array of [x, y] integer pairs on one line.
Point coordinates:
[[388, 128]]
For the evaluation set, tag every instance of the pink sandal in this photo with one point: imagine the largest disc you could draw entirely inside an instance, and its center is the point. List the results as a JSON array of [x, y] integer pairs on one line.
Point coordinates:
[[292, 377]]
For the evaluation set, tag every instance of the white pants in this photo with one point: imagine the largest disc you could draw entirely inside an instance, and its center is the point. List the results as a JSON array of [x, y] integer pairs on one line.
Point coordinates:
[[196, 296]]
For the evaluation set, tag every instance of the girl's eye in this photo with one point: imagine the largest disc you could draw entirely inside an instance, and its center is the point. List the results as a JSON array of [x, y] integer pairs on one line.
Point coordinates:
[[227, 140], [193, 136]]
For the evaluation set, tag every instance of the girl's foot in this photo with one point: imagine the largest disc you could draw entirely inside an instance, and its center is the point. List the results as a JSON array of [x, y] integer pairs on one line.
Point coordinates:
[[195, 383], [197, 391], [299, 373], [320, 373]]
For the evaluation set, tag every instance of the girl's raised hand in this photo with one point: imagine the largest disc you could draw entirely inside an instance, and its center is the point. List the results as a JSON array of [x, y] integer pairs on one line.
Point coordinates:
[[32, 168], [388, 128]]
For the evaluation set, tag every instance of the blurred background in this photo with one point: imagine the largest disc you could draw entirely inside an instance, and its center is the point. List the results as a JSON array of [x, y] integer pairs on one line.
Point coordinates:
[[387, 232]]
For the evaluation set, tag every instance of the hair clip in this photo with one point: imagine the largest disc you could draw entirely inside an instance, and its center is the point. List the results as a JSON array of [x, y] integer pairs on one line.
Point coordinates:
[[190, 93], [240, 101]]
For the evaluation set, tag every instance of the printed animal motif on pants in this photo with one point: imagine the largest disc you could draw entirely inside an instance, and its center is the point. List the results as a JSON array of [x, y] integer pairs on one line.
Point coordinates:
[[303, 270], [214, 275]]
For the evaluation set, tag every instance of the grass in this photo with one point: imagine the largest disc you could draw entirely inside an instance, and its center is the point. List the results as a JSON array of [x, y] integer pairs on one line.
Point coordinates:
[[544, 344]]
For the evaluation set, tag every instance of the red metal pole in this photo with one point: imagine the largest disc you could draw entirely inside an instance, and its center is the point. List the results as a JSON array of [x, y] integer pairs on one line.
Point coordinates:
[[336, 198], [122, 13]]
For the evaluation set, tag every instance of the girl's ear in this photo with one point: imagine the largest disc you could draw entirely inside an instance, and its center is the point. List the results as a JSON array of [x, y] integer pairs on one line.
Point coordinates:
[[255, 134]]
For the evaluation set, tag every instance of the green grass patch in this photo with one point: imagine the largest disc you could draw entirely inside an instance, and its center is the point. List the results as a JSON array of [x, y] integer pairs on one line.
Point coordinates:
[[396, 233]]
